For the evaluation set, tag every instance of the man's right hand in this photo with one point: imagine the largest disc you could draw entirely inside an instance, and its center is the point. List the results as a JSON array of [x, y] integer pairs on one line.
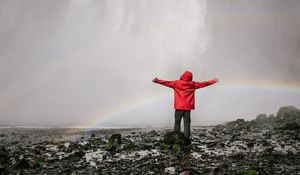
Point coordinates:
[[216, 80]]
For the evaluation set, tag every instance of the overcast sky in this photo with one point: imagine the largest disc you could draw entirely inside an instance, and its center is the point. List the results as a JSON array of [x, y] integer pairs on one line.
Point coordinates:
[[90, 62]]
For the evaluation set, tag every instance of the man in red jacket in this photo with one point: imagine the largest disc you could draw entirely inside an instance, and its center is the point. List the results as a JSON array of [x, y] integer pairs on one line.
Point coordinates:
[[184, 95]]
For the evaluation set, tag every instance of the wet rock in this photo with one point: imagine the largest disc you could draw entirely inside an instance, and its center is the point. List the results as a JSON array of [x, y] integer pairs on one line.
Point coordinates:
[[176, 138], [153, 133], [4, 155], [250, 144], [2, 170], [22, 164], [211, 144], [114, 143], [3, 135], [238, 156], [115, 138], [79, 154], [219, 128], [129, 146], [288, 112], [176, 141], [290, 126], [238, 124], [170, 170], [287, 115]]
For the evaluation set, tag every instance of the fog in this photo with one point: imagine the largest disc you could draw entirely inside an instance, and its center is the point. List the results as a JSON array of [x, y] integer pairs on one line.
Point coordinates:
[[90, 63]]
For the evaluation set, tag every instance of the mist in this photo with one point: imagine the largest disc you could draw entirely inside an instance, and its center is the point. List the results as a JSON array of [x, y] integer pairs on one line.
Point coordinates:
[[90, 63]]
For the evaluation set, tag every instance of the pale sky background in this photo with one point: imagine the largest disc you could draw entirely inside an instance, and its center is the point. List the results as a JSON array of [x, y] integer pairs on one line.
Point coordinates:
[[91, 62]]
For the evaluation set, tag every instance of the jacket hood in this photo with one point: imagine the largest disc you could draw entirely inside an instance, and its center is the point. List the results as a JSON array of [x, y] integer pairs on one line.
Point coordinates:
[[187, 76]]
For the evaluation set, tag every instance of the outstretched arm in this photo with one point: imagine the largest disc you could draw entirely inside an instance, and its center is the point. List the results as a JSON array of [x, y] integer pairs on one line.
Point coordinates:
[[164, 82], [206, 83]]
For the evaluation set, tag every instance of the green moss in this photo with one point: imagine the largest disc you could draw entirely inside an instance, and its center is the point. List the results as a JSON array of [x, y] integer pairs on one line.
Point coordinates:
[[40, 161], [165, 147], [130, 147], [175, 147], [249, 171], [189, 147]]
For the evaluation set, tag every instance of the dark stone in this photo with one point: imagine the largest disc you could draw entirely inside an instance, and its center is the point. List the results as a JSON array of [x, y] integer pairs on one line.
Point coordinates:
[[250, 144], [153, 133], [217, 170], [115, 138], [238, 156], [79, 154], [40, 148], [3, 135], [290, 126], [237, 125], [211, 144], [171, 138], [114, 143], [176, 141], [22, 164], [129, 146], [2, 170], [4, 155], [222, 145], [288, 114]]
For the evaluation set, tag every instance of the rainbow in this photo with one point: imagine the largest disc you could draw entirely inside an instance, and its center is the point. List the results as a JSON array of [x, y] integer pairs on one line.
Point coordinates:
[[94, 120], [97, 118]]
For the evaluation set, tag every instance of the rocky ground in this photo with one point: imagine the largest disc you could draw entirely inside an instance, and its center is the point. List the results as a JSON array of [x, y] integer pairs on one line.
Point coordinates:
[[266, 145]]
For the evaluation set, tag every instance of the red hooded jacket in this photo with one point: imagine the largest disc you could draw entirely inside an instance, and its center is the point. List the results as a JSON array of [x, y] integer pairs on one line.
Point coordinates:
[[184, 90]]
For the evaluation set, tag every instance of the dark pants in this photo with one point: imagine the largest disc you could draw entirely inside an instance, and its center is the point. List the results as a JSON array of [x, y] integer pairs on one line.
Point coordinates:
[[187, 121]]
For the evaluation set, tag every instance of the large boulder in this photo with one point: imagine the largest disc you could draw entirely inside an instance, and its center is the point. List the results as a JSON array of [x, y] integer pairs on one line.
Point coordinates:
[[288, 114], [176, 141], [114, 143]]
